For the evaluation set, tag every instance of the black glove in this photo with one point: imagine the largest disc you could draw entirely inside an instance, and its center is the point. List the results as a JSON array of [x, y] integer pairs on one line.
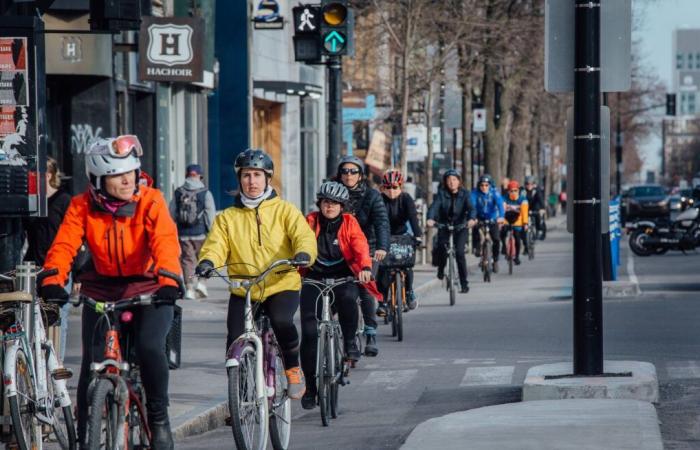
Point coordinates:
[[204, 269], [167, 295], [302, 259], [54, 293]]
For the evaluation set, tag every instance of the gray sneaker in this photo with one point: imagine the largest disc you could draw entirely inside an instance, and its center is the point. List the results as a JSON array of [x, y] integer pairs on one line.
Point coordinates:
[[296, 385]]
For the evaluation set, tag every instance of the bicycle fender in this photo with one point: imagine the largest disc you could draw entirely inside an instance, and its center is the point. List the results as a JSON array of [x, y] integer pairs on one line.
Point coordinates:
[[233, 354], [9, 369]]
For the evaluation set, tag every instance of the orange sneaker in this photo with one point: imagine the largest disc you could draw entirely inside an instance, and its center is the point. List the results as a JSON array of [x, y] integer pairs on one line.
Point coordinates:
[[296, 385]]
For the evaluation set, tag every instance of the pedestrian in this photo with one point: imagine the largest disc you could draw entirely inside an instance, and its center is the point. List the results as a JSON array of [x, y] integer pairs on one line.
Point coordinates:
[[41, 231], [562, 201], [193, 210], [552, 200]]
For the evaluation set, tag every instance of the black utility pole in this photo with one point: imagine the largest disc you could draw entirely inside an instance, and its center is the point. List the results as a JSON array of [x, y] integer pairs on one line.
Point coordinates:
[[471, 145], [618, 149], [588, 283], [335, 113]]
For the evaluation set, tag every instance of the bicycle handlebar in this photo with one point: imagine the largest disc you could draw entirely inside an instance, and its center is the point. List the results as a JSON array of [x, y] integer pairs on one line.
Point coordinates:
[[330, 283], [238, 281], [103, 307]]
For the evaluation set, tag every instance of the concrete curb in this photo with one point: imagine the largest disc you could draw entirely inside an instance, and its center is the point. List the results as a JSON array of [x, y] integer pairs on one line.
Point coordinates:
[[620, 289]]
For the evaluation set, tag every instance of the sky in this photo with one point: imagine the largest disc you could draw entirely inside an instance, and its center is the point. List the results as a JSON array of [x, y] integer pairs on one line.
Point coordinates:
[[657, 19]]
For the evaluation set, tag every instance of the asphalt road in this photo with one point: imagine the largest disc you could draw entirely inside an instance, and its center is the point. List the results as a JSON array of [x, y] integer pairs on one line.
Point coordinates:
[[477, 353]]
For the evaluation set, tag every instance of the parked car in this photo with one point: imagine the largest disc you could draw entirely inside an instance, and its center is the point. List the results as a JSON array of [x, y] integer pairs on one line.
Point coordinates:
[[675, 203], [687, 199], [648, 200]]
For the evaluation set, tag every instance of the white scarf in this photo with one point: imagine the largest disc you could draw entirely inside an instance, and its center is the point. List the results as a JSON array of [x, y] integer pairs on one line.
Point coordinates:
[[253, 203]]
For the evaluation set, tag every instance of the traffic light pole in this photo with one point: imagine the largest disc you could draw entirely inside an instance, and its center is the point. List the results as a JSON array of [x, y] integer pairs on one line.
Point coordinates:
[[588, 283], [618, 149], [335, 113]]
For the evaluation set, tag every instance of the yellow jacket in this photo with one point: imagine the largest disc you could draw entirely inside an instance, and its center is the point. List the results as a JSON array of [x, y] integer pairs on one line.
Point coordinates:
[[249, 240]]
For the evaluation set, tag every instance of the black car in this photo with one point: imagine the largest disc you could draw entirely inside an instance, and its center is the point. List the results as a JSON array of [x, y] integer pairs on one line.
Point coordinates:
[[687, 198], [647, 201]]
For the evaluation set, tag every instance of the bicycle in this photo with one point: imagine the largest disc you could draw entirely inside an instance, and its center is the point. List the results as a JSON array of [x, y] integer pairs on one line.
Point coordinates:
[[116, 396], [510, 249], [452, 277], [401, 256], [257, 385], [34, 378], [531, 235], [331, 365], [486, 248]]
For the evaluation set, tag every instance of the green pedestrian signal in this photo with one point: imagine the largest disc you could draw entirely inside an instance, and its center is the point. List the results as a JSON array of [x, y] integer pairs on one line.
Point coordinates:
[[336, 27], [334, 42]]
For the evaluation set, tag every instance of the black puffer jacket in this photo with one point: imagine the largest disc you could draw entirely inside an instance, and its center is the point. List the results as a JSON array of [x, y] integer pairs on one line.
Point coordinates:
[[367, 206], [452, 209]]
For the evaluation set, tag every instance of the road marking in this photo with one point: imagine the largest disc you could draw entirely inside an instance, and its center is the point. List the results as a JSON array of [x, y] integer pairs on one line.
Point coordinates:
[[391, 380], [630, 270], [683, 369], [488, 376], [468, 361]]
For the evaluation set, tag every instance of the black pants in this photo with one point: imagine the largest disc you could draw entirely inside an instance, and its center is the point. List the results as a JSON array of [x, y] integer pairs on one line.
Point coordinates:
[[368, 304], [344, 298], [280, 309], [384, 280], [520, 236], [495, 242], [460, 240], [148, 329]]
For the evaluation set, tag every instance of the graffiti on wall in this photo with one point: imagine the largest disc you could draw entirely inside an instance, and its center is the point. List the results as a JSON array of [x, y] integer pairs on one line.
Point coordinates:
[[83, 136]]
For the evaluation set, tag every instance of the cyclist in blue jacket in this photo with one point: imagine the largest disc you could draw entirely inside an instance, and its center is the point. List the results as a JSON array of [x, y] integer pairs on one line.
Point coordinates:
[[489, 206]]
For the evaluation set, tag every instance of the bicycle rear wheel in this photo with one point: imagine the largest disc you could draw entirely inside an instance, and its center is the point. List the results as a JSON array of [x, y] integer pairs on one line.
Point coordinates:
[[280, 407], [26, 428], [139, 438], [324, 373], [105, 423], [248, 412], [400, 302]]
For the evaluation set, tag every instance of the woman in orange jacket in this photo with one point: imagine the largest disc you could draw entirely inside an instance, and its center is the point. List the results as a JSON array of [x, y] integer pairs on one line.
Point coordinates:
[[342, 251], [130, 234]]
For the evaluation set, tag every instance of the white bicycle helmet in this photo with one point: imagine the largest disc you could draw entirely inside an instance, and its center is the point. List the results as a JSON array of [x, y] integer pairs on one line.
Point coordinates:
[[112, 156]]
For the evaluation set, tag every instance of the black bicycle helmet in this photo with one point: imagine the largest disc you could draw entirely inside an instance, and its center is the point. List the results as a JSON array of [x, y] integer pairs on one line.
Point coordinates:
[[451, 173], [332, 190], [486, 178], [351, 159], [254, 158]]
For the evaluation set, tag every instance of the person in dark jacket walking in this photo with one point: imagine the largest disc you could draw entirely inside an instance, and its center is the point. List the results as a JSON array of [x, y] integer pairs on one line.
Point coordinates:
[[452, 206], [368, 208]]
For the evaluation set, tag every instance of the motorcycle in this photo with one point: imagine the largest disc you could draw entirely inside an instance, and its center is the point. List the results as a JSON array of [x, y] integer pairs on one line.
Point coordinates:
[[650, 237]]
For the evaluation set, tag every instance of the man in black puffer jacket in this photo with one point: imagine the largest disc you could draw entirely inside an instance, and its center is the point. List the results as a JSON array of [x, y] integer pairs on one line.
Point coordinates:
[[367, 206]]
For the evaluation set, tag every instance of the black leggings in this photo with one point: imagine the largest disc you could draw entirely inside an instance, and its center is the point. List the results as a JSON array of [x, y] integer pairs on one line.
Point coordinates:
[[149, 328], [443, 241], [344, 298], [280, 309], [495, 241]]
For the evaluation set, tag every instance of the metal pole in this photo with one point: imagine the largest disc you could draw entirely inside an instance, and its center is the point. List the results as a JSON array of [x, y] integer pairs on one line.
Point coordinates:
[[588, 283], [663, 149], [618, 149], [471, 150], [335, 113], [249, 22]]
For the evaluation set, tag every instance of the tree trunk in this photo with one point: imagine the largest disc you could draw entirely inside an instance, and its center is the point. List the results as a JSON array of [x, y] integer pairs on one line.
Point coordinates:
[[405, 95], [431, 150]]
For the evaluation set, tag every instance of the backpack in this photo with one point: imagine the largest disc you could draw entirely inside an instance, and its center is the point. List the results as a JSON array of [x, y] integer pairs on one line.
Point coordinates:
[[188, 210]]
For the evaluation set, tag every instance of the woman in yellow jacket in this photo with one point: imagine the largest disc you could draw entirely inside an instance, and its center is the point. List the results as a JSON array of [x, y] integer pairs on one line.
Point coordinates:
[[257, 230]]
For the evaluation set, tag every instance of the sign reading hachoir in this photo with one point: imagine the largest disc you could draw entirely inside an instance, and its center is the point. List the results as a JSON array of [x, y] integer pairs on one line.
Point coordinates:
[[171, 49]]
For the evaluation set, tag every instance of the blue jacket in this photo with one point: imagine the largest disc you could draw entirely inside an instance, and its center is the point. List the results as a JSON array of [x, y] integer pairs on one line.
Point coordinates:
[[488, 206]]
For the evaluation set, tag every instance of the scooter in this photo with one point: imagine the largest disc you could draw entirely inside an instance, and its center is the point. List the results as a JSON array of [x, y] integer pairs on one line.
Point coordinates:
[[656, 237]]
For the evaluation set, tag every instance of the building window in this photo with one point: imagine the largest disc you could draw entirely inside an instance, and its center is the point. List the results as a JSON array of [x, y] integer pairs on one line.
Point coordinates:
[[697, 60], [690, 61], [679, 61], [309, 151], [691, 103]]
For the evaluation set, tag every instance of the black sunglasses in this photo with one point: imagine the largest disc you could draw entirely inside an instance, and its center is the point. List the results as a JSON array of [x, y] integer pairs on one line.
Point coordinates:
[[349, 171]]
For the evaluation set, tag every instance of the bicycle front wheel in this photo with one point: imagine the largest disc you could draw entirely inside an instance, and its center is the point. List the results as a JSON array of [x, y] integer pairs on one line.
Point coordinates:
[[26, 428], [453, 281], [400, 302], [105, 423], [248, 412], [531, 238], [338, 369], [280, 406], [324, 374], [511, 254], [486, 262]]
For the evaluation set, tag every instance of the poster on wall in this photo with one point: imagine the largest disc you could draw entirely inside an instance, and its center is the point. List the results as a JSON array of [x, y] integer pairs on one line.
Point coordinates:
[[14, 100]]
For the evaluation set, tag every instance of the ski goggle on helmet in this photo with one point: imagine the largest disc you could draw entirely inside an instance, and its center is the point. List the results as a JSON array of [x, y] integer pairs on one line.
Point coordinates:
[[118, 147]]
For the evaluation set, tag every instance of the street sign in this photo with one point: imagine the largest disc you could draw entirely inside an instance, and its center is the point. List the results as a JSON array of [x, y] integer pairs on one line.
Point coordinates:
[[615, 45], [479, 120], [267, 16], [604, 169], [172, 49]]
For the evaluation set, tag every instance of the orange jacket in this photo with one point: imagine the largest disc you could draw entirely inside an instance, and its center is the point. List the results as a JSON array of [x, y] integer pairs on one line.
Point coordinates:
[[353, 245], [139, 238]]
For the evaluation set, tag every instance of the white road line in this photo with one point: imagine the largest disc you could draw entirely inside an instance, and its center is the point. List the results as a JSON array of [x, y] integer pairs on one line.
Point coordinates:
[[683, 369], [391, 380], [488, 376], [467, 361], [630, 270]]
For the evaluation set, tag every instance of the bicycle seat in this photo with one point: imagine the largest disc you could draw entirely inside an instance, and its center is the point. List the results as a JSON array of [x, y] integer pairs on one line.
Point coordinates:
[[17, 296]]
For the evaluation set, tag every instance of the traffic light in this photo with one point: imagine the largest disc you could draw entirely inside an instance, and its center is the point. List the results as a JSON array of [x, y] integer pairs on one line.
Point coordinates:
[[307, 33], [670, 104], [336, 27]]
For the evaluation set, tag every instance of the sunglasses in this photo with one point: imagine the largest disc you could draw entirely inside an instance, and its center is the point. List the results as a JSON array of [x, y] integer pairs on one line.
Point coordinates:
[[119, 147], [395, 186], [515, 190], [484, 184], [349, 171]]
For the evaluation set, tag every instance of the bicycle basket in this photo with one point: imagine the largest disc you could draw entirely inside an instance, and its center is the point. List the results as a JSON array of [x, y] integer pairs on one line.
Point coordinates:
[[402, 252], [173, 347]]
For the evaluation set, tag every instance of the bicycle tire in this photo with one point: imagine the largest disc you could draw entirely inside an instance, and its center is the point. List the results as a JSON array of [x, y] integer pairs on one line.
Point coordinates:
[[26, 429], [338, 369], [510, 251], [453, 290], [103, 409], [486, 261], [400, 302], [280, 406], [64, 426], [323, 376], [531, 246], [138, 431], [392, 308], [242, 393]]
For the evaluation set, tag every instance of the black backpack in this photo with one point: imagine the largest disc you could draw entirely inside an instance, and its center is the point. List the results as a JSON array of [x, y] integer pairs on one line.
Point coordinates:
[[189, 211]]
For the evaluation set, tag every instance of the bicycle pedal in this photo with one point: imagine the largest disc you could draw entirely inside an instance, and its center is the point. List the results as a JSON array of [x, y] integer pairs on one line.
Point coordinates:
[[62, 373]]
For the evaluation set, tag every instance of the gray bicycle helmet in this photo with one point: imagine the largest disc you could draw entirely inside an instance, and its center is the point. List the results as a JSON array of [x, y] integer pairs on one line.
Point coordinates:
[[530, 179], [332, 190], [254, 158], [352, 160]]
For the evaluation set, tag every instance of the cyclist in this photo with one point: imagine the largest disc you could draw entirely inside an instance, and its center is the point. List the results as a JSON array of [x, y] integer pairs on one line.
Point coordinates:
[[517, 215], [535, 199], [259, 228], [342, 251], [452, 206], [402, 211], [128, 229], [369, 210], [489, 206]]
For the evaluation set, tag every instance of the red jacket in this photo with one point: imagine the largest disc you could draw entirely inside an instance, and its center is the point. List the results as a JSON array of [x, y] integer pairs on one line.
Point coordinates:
[[353, 245]]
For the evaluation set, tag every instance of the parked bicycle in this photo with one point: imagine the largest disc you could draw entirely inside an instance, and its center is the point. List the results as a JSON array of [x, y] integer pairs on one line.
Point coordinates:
[[486, 248], [34, 378], [116, 397], [331, 365], [452, 275], [257, 386]]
